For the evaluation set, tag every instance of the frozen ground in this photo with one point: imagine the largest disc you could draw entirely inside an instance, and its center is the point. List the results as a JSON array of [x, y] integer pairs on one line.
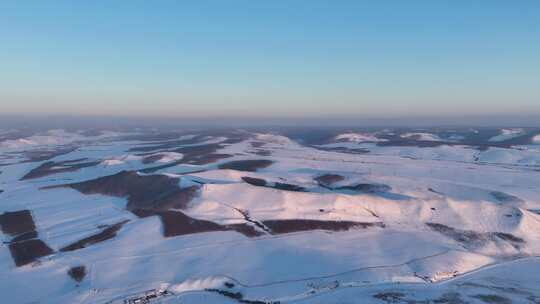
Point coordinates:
[[236, 216]]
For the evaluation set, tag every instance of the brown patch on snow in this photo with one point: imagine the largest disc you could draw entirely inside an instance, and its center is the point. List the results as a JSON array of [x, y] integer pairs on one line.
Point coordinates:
[[42, 155], [168, 144], [24, 247], [77, 273], [193, 155], [152, 158], [250, 165], [327, 180], [107, 234], [150, 195], [51, 167], [245, 229], [366, 188], [177, 223], [254, 181], [158, 191], [472, 240], [17, 222], [261, 152], [257, 144], [294, 225], [274, 185], [26, 252]]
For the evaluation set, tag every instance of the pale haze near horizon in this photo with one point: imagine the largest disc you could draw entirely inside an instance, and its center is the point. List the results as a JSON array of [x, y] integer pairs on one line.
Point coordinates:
[[275, 59]]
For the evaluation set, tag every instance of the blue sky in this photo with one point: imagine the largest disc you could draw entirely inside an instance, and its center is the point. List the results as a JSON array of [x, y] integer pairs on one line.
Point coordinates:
[[270, 58]]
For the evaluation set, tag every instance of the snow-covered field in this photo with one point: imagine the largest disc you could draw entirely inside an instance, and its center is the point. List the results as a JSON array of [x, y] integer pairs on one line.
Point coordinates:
[[506, 134], [256, 217]]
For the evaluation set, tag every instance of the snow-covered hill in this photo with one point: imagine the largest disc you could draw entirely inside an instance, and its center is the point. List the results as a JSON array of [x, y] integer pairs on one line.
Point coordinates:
[[252, 217]]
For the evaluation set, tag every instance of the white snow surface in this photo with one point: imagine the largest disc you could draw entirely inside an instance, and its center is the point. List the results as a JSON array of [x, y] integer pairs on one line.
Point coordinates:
[[476, 193], [423, 136], [51, 137], [273, 138], [359, 137], [507, 134]]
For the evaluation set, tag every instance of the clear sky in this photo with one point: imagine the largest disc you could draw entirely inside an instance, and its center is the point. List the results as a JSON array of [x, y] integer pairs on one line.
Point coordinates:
[[270, 58]]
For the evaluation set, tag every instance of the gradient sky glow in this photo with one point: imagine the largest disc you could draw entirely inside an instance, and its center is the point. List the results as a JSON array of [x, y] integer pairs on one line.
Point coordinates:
[[270, 58]]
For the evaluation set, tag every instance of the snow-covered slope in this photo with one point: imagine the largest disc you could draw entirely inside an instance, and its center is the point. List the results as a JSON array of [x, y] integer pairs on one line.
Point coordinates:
[[242, 217], [359, 137], [536, 139], [506, 134], [421, 136]]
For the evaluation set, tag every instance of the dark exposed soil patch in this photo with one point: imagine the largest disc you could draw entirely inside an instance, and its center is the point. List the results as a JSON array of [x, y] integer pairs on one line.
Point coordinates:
[[280, 186], [294, 225], [238, 296], [435, 191], [77, 273], [153, 137], [343, 150], [537, 211], [151, 195], [491, 298], [230, 137], [254, 181], [327, 180], [207, 158], [24, 247], [43, 155], [508, 237], [192, 172], [366, 188], [250, 165], [51, 167], [25, 236], [472, 239], [409, 142], [244, 229], [167, 145], [158, 192], [194, 151], [17, 222], [505, 197], [229, 294], [390, 296], [159, 167], [396, 297], [107, 233], [261, 152], [288, 187], [194, 155], [152, 158], [177, 223], [28, 251], [449, 298], [247, 217], [257, 144]]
